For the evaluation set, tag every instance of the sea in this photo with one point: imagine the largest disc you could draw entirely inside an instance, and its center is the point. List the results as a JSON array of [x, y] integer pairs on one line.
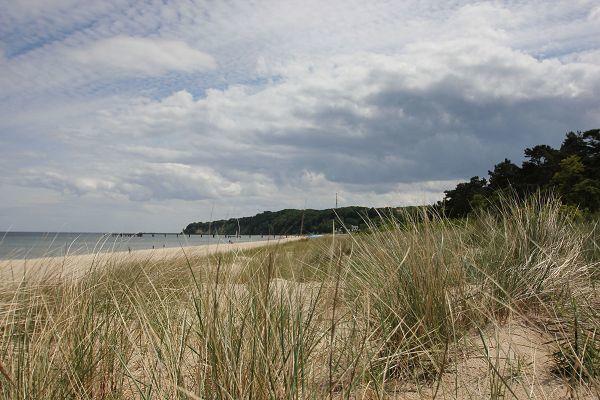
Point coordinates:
[[26, 245]]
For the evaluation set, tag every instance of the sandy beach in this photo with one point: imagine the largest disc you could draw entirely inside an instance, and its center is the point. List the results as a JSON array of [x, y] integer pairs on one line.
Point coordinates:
[[71, 266]]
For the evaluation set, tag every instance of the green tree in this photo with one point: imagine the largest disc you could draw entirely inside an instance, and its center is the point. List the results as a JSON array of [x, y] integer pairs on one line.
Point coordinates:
[[574, 187], [460, 201], [505, 175], [537, 170]]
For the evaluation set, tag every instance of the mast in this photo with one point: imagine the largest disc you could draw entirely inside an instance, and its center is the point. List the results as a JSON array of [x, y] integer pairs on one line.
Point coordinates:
[[211, 217], [302, 219]]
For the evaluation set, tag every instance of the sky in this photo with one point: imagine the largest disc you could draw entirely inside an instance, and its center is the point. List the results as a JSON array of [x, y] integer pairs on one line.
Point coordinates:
[[147, 115]]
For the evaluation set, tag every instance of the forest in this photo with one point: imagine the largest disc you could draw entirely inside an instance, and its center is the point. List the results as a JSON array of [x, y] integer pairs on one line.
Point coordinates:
[[291, 222]]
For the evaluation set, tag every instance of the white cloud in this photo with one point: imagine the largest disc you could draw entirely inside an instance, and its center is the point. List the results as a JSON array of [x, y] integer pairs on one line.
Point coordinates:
[[147, 56], [147, 181], [64, 183], [594, 14], [177, 181]]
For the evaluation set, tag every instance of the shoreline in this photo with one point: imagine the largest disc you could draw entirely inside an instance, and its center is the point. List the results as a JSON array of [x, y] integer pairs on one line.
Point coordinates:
[[76, 265]]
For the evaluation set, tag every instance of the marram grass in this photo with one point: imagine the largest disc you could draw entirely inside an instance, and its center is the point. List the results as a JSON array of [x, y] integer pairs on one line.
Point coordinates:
[[429, 308]]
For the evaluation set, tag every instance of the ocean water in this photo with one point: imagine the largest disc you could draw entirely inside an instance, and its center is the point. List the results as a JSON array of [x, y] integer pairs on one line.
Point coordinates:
[[20, 245]]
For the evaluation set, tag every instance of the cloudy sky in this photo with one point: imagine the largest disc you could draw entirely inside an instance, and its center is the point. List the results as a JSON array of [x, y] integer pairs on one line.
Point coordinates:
[[123, 116]]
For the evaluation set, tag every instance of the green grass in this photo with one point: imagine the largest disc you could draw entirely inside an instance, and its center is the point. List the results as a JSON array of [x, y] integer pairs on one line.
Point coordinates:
[[405, 311]]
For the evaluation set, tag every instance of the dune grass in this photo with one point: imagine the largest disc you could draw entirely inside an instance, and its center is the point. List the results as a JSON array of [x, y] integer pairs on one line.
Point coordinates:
[[423, 308]]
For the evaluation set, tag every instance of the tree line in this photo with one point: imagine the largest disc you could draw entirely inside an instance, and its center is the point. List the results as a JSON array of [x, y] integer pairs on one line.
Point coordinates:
[[571, 172], [292, 222]]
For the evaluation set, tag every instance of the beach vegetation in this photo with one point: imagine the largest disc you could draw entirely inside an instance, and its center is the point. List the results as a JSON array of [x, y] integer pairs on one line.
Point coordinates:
[[500, 305]]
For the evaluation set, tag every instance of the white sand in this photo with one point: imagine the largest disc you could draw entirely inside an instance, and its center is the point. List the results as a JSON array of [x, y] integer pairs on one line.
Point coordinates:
[[76, 265]]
